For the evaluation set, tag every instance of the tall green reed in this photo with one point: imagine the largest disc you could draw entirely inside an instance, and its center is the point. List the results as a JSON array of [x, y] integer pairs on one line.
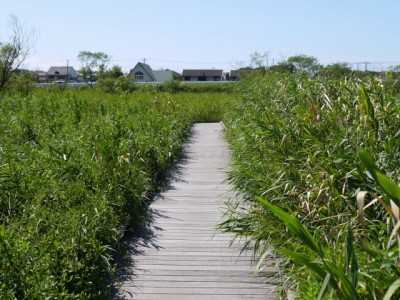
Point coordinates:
[[295, 142], [77, 169]]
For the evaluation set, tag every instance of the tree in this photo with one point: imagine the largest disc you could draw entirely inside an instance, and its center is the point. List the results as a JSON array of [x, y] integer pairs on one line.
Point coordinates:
[[395, 69], [113, 81], [93, 63], [259, 60], [283, 67], [21, 83], [14, 52], [304, 63], [115, 72], [336, 70]]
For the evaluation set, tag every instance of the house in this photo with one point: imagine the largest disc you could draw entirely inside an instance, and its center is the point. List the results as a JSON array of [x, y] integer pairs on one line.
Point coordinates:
[[164, 75], [61, 73], [143, 73], [235, 75], [41, 75], [202, 75]]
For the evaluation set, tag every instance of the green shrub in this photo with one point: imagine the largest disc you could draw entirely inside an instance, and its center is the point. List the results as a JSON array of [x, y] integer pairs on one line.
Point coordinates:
[[78, 168], [170, 86], [224, 87], [116, 85], [21, 84]]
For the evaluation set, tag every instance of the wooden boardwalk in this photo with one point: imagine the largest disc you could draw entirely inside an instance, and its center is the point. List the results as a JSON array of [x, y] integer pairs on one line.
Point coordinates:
[[184, 256]]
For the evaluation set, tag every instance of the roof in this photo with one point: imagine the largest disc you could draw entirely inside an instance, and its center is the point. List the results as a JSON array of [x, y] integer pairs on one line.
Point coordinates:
[[164, 75], [60, 70], [155, 76], [240, 72], [201, 72], [147, 69], [234, 73]]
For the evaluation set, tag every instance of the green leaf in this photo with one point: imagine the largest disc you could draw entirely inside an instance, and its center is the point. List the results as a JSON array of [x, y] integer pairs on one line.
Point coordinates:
[[2, 230], [351, 258], [303, 259], [345, 289], [390, 187], [337, 279], [392, 289], [368, 161], [323, 289], [294, 226]]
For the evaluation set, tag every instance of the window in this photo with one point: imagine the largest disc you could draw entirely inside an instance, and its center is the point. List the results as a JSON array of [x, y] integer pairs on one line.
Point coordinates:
[[139, 75]]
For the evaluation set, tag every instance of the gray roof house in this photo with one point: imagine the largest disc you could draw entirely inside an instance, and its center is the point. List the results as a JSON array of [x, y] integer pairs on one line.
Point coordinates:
[[61, 73], [143, 73], [41, 75], [233, 75], [164, 75], [202, 75]]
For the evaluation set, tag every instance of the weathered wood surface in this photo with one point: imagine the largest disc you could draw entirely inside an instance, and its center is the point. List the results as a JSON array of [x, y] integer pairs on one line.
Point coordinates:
[[184, 256]]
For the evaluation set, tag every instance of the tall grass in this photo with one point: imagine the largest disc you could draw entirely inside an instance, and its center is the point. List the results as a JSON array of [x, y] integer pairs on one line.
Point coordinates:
[[77, 169], [295, 144]]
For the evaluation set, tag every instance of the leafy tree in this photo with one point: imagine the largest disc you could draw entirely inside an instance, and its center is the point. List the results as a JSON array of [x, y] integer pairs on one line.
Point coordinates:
[[336, 70], [304, 63], [115, 85], [113, 81], [114, 72], [284, 67], [93, 63], [395, 68], [22, 83], [14, 52]]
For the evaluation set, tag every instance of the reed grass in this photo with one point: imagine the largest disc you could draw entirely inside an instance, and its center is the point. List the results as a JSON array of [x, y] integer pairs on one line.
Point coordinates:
[[295, 143]]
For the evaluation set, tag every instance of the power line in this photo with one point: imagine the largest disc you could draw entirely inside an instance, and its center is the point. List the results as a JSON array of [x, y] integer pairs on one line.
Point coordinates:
[[370, 65], [175, 61], [273, 60]]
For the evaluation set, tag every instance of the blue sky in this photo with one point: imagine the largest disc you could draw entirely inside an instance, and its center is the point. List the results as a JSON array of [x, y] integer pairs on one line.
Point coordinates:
[[179, 34]]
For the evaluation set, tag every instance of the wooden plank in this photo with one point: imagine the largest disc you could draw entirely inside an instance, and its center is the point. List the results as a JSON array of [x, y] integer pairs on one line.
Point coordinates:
[[134, 274], [200, 283], [194, 260], [186, 257], [197, 291], [193, 278], [197, 282], [155, 259], [194, 297]]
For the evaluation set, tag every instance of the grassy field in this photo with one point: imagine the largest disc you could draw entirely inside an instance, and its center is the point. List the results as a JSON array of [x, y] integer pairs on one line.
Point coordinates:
[[299, 160], [77, 169]]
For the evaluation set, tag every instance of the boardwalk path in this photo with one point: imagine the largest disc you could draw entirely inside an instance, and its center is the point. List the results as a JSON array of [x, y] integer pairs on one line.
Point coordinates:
[[186, 257]]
